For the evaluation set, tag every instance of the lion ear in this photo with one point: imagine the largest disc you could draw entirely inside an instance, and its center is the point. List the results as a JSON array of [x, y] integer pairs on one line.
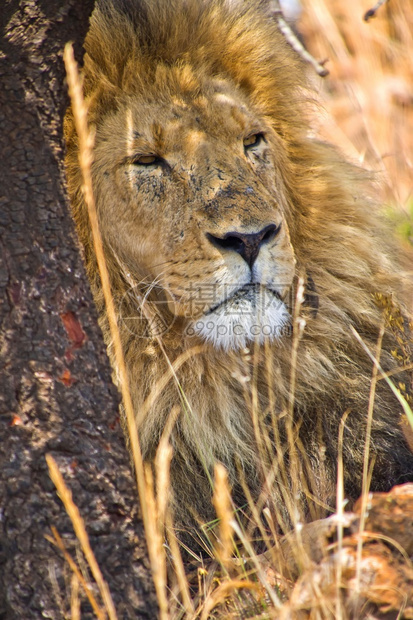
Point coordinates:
[[311, 299]]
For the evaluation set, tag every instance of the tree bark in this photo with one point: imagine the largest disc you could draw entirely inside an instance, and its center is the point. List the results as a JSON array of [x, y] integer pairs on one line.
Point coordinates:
[[56, 393]]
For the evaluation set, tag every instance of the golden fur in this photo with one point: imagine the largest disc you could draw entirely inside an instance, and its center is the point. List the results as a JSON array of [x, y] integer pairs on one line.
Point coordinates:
[[202, 131]]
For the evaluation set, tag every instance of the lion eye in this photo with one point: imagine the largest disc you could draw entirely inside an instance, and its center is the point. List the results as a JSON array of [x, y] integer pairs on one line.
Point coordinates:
[[146, 160], [253, 140]]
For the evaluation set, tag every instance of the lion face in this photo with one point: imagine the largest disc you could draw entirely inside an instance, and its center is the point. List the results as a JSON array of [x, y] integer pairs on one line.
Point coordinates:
[[206, 172], [200, 227]]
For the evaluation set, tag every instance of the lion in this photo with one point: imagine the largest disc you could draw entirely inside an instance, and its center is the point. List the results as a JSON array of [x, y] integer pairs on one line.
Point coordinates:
[[254, 280]]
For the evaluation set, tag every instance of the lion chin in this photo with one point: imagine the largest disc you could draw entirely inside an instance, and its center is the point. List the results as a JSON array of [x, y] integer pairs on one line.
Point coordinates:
[[215, 201], [254, 314]]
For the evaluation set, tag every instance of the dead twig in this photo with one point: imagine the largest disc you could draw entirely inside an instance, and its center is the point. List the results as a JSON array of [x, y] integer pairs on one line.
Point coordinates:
[[293, 41], [372, 12]]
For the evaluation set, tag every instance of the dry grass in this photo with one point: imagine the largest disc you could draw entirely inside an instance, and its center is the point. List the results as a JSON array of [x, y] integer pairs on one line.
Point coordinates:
[[81, 534], [369, 93], [369, 98]]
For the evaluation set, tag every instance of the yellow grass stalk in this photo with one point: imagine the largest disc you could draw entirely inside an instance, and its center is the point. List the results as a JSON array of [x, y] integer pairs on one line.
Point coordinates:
[[223, 507], [396, 371], [80, 531], [299, 324], [340, 511], [155, 541], [366, 461], [169, 374], [163, 459], [56, 540], [74, 598], [179, 567], [162, 467]]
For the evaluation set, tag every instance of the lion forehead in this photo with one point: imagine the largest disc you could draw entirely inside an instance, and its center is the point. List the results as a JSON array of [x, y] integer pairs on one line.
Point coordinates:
[[185, 126], [185, 121]]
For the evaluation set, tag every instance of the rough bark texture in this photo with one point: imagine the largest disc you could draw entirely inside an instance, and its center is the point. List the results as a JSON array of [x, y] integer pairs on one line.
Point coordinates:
[[56, 393]]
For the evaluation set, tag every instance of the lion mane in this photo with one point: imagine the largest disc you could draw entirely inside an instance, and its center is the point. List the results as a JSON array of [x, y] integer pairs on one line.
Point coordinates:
[[218, 209]]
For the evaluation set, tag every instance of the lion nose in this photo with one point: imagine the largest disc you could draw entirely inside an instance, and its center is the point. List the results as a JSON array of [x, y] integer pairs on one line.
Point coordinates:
[[247, 245]]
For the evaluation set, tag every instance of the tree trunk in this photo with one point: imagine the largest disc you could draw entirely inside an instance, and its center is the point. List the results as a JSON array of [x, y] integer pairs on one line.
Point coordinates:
[[56, 392]]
